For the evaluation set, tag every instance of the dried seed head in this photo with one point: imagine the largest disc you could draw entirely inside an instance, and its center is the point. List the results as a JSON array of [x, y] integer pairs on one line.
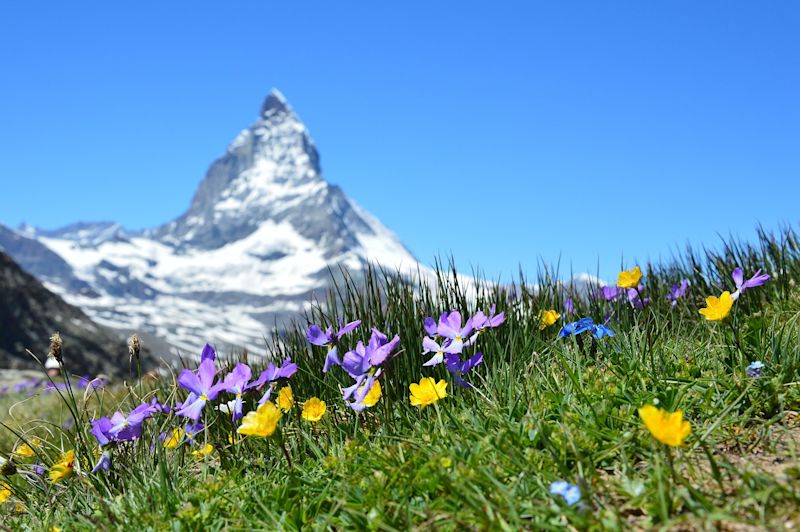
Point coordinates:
[[8, 468], [134, 346], [55, 347]]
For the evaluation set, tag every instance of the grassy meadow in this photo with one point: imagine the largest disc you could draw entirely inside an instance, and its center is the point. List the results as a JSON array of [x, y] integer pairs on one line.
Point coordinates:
[[543, 409]]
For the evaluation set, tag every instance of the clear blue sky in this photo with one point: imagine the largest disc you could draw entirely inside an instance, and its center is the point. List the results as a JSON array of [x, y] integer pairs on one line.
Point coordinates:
[[504, 133]]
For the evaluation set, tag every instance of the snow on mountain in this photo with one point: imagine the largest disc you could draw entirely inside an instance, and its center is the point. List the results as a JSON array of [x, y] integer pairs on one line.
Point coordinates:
[[257, 241]]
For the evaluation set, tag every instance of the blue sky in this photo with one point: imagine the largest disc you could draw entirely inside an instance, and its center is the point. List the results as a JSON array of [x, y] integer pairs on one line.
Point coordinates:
[[503, 133]]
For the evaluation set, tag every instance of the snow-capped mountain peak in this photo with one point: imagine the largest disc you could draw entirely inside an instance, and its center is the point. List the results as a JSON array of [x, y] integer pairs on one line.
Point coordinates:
[[260, 236]]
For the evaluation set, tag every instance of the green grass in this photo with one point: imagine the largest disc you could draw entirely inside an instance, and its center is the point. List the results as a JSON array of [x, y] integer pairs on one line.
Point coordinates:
[[544, 410]]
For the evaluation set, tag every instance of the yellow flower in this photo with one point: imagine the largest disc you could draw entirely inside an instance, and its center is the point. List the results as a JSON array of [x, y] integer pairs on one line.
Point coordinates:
[[64, 468], [427, 392], [630, 278], [314, 409], [373, 396], [5, 492], [261, 422], [174, 439], [666, 427], [717, 307], [201, 453], [547, 318], [286, 399], [26, 449]]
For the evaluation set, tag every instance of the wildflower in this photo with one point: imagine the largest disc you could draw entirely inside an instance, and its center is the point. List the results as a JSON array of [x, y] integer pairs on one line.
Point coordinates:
[[235, 383], [741, 285], [676, 292], [26, 449], [430, 346], [635, 299], [174, 438], [208, 353], [754, 369], [373, 395], [364, 364], [668, 428], [576, 327], [261, 422], [450, 327], [629, 278], [481, 322], [64, 468], [56, 344], [285, 398], [104, 463], [271, 375], [313, 409], [5, 492], [427, 392], [609, 293], [101, 430], [569, 306], [126, 428], [547, 318], [585, 324], [192, 430], [570, 492], [717, 308], [429, 324], [458, 368], [204, 451], [201, 386], [134, 346], [316, 336]]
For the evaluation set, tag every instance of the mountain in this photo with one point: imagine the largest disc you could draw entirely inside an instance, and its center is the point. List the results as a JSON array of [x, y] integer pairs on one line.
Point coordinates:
[[261, 236], [31, 313]]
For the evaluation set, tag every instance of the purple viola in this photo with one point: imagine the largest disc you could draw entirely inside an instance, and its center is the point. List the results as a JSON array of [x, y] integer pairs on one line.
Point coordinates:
[[481, 322], [741, 285], [104, 463], [270, 377], [364, 364], [450, 327], [202, 387], [677, 292], [235, 382], [635, 297], [208, 353], [458, 368], [316, 336], [126, 428]]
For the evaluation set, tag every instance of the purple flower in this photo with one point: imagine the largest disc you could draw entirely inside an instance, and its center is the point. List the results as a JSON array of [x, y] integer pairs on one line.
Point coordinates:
[[676, 292], [610, 293], [741, 285], [364, 365], [104, 463], [569, 306], [192, 430], [235, 383], [634, 298], [271, 375], [481, 322], [126, 428], [430, 346], [208, 353], [202, 386], [101, 430], [458, 368], [450, 327], [430, 326], [317, 336]]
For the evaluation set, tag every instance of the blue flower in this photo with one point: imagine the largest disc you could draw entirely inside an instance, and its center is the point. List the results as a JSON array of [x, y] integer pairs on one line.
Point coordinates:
[[570, 492], [583, 325], [754, 369]]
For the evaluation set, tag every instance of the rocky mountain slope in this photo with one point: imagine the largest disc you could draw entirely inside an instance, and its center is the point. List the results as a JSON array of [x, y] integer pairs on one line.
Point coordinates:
[[30, 314]]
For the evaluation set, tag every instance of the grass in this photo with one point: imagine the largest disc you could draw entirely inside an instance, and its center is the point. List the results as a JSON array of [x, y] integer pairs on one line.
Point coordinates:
[[544, 409]]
